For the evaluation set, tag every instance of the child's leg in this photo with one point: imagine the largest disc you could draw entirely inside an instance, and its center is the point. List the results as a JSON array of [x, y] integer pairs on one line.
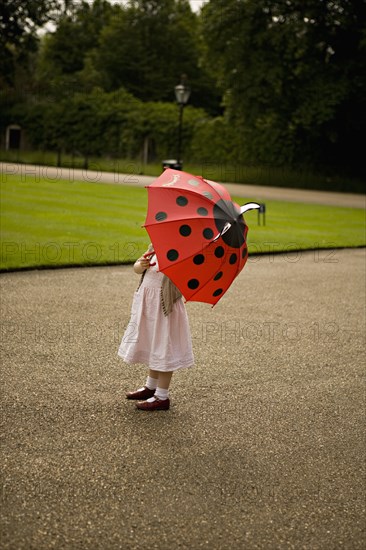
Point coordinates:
[[160, 399], [162, 391], [152, 379], [148, 390], [164, 379]]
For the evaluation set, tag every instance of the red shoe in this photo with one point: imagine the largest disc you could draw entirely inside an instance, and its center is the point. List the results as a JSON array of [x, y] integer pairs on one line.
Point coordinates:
[[145, 393], [157, 405]]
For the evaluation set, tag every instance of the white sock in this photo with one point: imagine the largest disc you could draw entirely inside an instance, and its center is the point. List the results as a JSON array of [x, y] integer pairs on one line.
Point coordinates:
[[161, 393], [151, 383]]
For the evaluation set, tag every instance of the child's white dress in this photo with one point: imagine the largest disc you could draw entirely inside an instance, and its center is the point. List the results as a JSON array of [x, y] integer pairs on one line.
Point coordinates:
[[163, 343]]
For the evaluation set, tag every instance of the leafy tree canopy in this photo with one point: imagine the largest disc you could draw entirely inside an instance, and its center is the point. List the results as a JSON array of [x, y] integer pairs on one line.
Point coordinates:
[[144, 47], [287, 76], [19, 21], [292, 71]]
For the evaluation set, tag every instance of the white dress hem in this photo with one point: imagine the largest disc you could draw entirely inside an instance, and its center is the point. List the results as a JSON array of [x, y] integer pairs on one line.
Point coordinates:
[[160, 342]]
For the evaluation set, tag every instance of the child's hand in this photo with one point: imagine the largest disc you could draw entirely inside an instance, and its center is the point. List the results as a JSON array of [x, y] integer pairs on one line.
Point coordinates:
[[144, 263], [148, 257]]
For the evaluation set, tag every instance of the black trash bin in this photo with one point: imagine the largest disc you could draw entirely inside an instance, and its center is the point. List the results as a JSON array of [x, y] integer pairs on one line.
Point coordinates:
[[172, 163]]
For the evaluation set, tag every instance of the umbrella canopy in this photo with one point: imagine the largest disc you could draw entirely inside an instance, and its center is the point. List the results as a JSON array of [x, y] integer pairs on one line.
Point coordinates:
[[198, 234]]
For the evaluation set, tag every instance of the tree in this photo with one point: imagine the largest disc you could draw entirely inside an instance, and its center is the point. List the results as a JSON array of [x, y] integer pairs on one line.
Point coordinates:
[[66, 58], [292, 74], [19, 22], [148, 45], [143, 47]]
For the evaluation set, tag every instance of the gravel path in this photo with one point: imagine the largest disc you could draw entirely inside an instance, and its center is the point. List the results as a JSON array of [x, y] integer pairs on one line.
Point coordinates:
[[251, 192], [263, 446]]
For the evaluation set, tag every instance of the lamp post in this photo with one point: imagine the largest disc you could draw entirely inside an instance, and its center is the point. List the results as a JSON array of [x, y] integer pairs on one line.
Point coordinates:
[[182, 93]]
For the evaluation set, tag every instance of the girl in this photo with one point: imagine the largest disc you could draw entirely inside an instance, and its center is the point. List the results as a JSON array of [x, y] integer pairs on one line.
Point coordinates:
[[157, 335]]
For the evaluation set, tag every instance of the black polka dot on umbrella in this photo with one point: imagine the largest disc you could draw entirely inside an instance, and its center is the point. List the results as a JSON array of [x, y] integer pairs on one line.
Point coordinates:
[[172, 255], [208, 233], [219, 252], [218, 276], [202, 211], [185, 230], [182, 201], [244, 254], [233, 259], [217, 292], [193, 182], [199, 259], [193, 284], [207, 194], [161, 216]]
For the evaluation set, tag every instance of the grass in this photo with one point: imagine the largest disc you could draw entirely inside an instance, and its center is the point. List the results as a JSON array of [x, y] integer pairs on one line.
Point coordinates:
[[62, 223]]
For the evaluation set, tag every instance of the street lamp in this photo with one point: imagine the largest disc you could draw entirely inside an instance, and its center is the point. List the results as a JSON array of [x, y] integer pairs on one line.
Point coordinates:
[[182, 93]]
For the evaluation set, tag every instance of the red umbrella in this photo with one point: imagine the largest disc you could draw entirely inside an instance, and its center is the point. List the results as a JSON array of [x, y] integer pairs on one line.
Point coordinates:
[[198, 234]]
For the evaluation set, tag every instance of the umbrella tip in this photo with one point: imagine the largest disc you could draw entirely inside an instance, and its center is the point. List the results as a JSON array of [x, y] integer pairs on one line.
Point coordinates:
[[249, 206]]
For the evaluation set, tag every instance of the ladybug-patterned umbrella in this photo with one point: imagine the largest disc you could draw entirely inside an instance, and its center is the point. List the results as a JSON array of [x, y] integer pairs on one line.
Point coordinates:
[[198, 234]]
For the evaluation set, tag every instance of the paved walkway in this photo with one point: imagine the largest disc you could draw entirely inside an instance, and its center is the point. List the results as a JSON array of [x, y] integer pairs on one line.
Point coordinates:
[[263, 447], [251, 192]]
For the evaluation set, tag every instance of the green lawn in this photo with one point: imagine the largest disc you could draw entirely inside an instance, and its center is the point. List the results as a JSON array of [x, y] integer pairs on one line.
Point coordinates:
[[45, 223]]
